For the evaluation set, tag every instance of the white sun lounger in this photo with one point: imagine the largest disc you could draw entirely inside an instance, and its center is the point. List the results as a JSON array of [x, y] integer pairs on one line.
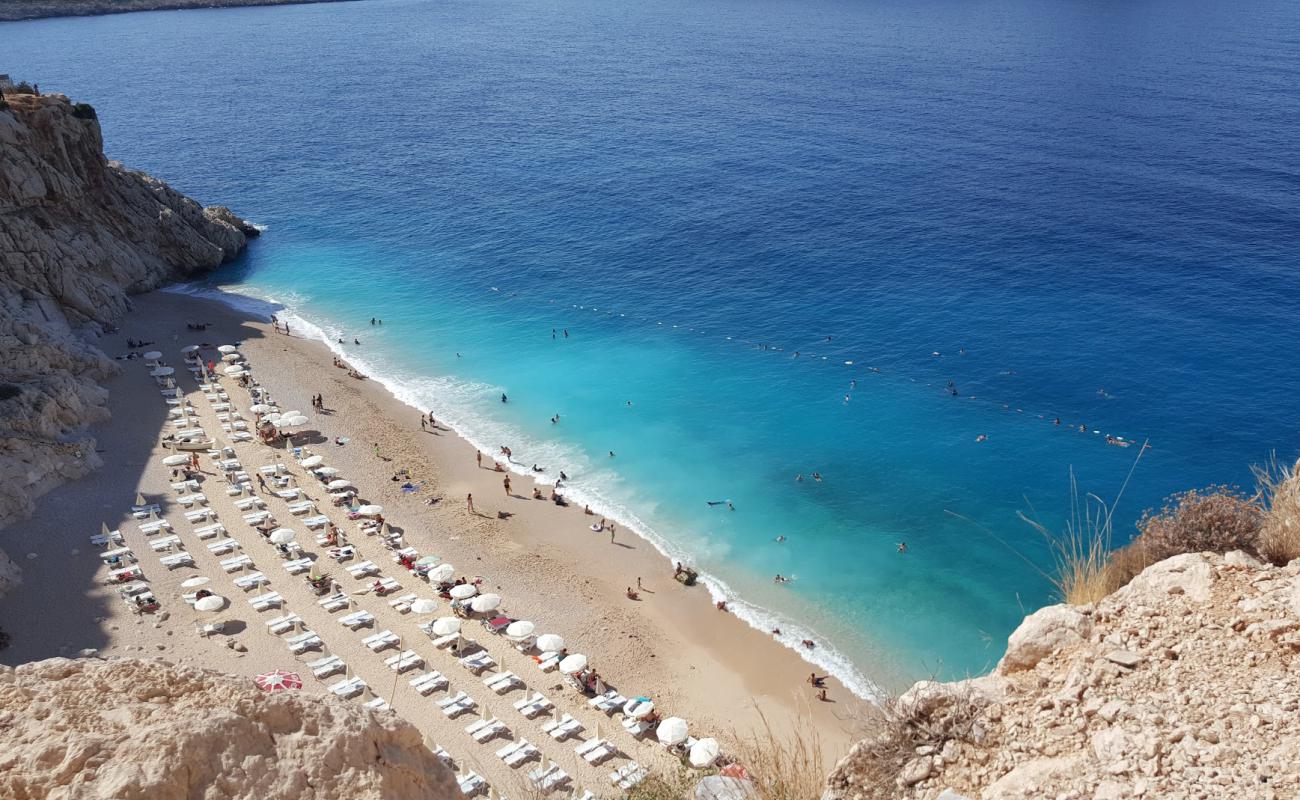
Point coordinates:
[[443, 641], [236, 563], [197, 498], [389, 585], [485, 729], [302, 641], [428, 682], [101, 540], [241, 436], [477, 662], [362, 569], [209, 531], [288, 494], [264, 601], [533, 706], [562, 728], [164, 543], [357, 619], [608, 701], [181, 487], [458, 704], [326, 666], [548, 661], [283, 624], [548, 778], [153, 527], [403, 603], [501, 682], [250, 581], [334, 602], [117, 552], [381, 640], [257, 518], [301, 507], [250, 503], [521, 751], [627, 776], [636, 727], [407, 659], [348, 687], [191, 433], [297, 565], [602, 750], [200, 515], [177, 560], [471, 783], [224, 546], [126, 573], [318, 521], [339, 554], [376, 704], [143, 512]]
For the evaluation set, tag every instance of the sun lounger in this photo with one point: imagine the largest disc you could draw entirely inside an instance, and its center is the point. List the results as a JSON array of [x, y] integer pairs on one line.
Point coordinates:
[[224, 546], [403, 603], [485, 729], [177, 560], [478, 725], [264, 601], [297, 566], [501, 682], [125, 574], [301, 507], [362, 569], [443, 641], [257, 518], [302, 641], [405, 551], [339, 554], [562, 728], [608, 701], [102, 540], [117, 552], [627, 776], [210, 531], [197, 498], [523, 752], [221, 406], [163, 543], [318, 521], [376, 704], [191, 433], [548, 777], [388, 585], [143, 512], [328, 665], [348, 687], [457, 704], [185, 486], [548, 661], [407, 659], [199, 515], [334, 602], [428, 682], [236, 563], [148, 528], [250, 581], [601, 750], [133, 589], [357, 619], [381, 640], [510, 747], [241, 436], [636, 727], [227, 464], [250, 503], [283, 624], [533, 706], [477, 662], [471, 783]]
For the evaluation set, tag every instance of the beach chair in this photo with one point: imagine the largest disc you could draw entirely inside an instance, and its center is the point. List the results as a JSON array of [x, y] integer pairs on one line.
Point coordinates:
[[197, 498], [250, 504], [357, 619], [103, 539], [339, 554], [323, 667], [177, 560], [381, 640], [315, 522], [562, 728], [443, 641], [164, 543], [133, 589], [348, 687], [334, 602], [509, 749], [607, 702], [297, 566], [535, 706], [525, 752], [199, 515], [471, 783], [477, 662], [486, 730], [302, 507], [210, 531], [264, 601], [143, 512], [601, 750], [459, 704], [478, 725], [283, 624], [389, 585], [257, 518], [627, 776], [636, 727], [547, 778], [403, 604], [250, 581], [236, 563], [548, 661], [150, 528], [407, 659], [118, 553], [124, 574], [362, 569], [376, 704], [224, 546], [405, 551], [302, 642], [241, 436], [185, 486], [442, 755], [501, 682], [428, 682], [288, 495]]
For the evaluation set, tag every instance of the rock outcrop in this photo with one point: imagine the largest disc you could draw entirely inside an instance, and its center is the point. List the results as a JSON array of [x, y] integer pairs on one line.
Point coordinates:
[[1183, 684], [78, 234], [129, 729]]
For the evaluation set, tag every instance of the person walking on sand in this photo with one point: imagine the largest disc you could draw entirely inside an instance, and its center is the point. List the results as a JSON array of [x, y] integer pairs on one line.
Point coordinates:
[[611, 534], [506, 484], [469, 502], [423, 424], [377, 450]]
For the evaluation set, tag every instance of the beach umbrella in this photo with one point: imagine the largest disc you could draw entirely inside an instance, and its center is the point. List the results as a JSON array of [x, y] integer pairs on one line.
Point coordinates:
[[370, 511], [163, 372], [278, 681], [445, 626], [520, 629], [671, 731], [281, 536], [231, 358], [550, 643], [139, 499], [424, 606], [286, 421], [326, 472], [312, 461], [334, 486], [213, 602], [485, 602], [441, 573], [190, 583], [193, 348], [233, 370], [638, 708], [261, 408], [226, 348], [152, 355], [574, 663], [704, 753], [463, 591], [427, 561], [176, 460]]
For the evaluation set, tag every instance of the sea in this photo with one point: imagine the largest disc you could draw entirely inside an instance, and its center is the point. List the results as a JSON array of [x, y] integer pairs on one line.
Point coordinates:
[[781, 284]]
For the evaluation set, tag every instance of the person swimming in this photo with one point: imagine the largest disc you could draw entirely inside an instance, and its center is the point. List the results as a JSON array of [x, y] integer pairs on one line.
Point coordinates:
[[779, 538], [902, 547]]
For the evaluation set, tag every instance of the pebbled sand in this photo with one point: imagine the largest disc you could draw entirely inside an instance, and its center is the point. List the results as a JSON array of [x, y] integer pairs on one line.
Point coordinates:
[[672, 645]]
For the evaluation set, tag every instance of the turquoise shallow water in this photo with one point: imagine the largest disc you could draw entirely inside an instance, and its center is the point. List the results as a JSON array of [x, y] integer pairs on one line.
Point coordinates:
[[1077, 212]]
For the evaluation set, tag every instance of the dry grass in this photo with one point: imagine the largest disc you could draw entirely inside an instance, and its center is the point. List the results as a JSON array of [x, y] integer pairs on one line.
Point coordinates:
[[1081, 554], [1215, 519], [1279, 493]]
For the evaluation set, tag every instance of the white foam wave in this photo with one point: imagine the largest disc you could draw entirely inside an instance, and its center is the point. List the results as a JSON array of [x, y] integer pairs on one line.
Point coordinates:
[[453, 402]]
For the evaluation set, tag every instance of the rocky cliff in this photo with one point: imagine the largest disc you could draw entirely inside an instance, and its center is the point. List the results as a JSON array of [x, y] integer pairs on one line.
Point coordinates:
[[1183, 684], [78, 235], [145, 730]]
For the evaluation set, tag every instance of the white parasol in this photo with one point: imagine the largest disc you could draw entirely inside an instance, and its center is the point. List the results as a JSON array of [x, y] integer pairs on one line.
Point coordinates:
[[233, 370], [672, 731], [441, 573], [213, 602], [152, 355], [176, 460], [163, 372], [193, 348], [341, 483], [550, 643], [574, 663], [704, 753], [638, 708], [312, 461], [227, 348], [445, 626], [281, 536], [190, 583], [231, 358], [520, 629], [370, 511], [326, 472], [424, 606], [463, 591], [485, 602], [261, 408]]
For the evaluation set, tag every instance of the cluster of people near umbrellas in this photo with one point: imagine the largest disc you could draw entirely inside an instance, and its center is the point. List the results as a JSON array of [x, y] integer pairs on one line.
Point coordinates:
[[548, 651]]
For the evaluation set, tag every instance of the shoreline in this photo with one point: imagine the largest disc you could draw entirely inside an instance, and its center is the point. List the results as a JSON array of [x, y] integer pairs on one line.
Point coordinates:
[[98, 8], [709, 667], [762, 620]]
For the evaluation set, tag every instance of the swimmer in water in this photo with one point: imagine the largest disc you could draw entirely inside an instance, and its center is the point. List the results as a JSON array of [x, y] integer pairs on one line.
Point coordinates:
[[730, 507], [798, 478], [779, 539], [780, 578], [981, 438], [817, 476], [715, 502], [504, 399], [611, 453], [356, 341], [902, 547]]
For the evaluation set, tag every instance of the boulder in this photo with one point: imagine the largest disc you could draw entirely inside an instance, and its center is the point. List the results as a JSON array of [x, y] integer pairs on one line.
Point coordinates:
[[1043, 633]]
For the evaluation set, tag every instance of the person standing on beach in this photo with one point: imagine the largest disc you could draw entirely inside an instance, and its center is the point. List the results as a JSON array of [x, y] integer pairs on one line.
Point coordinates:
[[506, 484], [469, 502], [478, 458], [423, 425]]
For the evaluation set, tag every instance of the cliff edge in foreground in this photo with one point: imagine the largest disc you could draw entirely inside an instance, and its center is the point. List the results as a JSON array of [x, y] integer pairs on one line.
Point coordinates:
[[1183, 684], [130, 729], [78, 234]]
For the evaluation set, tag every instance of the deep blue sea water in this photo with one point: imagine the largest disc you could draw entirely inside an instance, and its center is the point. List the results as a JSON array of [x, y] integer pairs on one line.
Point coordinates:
[[1088, 211]]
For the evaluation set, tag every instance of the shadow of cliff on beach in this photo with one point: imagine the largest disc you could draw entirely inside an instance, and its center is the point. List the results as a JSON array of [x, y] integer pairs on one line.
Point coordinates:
[[63, 605]]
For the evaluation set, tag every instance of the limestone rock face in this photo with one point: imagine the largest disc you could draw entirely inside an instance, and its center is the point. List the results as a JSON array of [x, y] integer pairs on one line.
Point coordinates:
[[146, 730], [78, 234], [1184, 684]]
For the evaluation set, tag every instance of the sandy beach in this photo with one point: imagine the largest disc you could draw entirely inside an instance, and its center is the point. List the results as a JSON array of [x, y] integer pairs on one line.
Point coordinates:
[[671, 644]]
